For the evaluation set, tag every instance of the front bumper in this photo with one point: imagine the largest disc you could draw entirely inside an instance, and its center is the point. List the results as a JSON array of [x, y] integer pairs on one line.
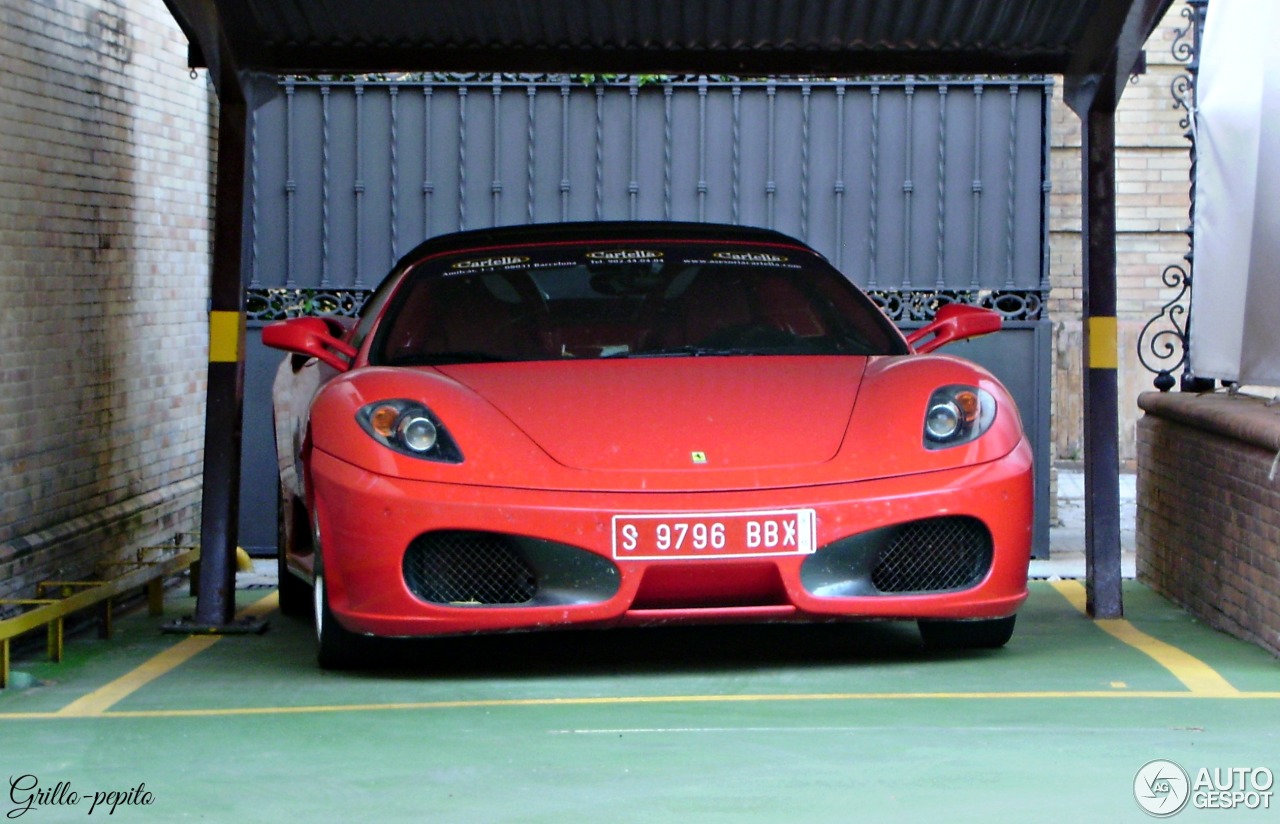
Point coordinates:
[[367, 522]]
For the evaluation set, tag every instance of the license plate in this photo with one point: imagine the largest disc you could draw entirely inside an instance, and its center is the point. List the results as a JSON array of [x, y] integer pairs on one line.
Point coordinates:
[[715, 535]]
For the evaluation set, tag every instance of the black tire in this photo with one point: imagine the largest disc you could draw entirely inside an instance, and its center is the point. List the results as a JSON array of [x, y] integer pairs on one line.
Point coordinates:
[[337, 648], [986, 634], [295, 595]]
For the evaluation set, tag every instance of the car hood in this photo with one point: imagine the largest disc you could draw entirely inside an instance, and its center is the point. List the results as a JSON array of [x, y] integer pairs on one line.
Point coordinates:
[[687, 413]]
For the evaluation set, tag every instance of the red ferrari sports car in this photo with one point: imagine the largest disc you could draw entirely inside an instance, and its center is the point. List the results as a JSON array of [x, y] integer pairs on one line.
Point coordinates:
[[604, 424]]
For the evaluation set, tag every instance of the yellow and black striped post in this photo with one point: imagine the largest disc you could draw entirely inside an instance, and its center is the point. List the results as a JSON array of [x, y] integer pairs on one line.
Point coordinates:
[[215, 590], [1101, 409]]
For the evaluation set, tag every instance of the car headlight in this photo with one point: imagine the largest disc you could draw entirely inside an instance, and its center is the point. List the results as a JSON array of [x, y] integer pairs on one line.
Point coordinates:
[[410, 428], [956, 415]]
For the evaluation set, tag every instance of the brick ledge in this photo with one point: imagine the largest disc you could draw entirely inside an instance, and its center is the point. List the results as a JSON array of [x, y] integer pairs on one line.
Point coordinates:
[[187, 491], [1241, 417]]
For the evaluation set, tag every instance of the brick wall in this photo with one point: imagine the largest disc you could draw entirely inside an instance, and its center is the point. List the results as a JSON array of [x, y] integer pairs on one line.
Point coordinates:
[[1208, 533], [104, 219], [1152, 203]]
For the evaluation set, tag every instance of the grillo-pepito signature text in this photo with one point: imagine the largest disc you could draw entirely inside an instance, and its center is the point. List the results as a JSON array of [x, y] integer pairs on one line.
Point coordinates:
[[27, 794]]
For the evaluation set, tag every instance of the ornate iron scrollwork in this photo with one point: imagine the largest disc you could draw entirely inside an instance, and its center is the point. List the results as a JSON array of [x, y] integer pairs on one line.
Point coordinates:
[[920, 305], [265, 305], [1165, 341], [1165, 335], [1186, 50]]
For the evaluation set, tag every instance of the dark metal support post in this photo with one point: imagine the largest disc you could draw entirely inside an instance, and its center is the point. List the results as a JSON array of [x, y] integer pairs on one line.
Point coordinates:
[[1093, 92], [215, 589], [219, 513], [1101, 422]]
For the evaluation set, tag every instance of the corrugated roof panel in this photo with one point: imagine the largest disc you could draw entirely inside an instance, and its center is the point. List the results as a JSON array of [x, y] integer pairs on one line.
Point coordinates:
[[682, 24], [890, 36]]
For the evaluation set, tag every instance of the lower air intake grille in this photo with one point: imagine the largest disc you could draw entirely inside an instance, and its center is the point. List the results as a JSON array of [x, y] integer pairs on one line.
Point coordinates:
[[933, 556], [468, 568]]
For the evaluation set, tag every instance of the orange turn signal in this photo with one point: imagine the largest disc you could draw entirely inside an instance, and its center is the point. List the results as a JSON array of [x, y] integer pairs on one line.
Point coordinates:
[[383, 420]]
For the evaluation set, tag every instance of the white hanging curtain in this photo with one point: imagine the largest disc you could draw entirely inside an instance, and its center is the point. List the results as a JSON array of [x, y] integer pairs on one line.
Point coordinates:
[[1235, 301]]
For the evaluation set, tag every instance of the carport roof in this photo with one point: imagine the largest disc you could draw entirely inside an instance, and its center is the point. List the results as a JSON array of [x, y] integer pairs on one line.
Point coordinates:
[[1093, 43], [1070, 37]]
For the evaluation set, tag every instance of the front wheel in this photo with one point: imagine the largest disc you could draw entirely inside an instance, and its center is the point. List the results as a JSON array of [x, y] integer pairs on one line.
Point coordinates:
[[337, 647], [986, 634]]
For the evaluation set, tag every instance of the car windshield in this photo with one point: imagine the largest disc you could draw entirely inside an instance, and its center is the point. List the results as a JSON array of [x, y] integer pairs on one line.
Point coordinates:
[[627, 300]]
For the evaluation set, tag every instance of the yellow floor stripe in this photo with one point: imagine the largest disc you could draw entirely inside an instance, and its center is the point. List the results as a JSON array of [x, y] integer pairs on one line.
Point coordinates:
[[1198, 676], [218, 712], [108, 695]]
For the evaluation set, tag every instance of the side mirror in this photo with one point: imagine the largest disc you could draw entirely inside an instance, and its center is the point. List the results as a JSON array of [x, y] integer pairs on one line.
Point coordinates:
[[953, 322], [311, 337]]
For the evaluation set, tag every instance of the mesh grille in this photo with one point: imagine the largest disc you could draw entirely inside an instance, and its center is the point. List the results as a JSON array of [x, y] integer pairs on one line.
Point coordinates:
[[468, 568], [934, 555]]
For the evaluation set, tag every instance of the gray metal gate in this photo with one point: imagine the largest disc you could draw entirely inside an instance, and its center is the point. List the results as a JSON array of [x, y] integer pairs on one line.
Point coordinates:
[[922, 190]]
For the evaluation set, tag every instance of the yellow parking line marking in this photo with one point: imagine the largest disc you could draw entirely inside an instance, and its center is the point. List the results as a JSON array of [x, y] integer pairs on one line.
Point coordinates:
[[218, 712], [110, 694], [1198, 676]]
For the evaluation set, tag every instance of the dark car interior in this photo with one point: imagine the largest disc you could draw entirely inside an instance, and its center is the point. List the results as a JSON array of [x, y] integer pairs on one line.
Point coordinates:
[[663, 308]]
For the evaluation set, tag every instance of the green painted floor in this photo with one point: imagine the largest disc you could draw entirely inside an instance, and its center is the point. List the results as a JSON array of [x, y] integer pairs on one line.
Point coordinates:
[[833, 723]]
